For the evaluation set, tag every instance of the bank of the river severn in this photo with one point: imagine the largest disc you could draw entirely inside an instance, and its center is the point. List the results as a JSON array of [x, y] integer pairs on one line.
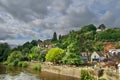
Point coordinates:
[[62, 70], [109, 74]]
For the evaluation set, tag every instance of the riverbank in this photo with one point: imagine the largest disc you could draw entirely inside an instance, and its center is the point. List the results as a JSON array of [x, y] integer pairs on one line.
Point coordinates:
[[62, 70], [73, 71], [59, 69]]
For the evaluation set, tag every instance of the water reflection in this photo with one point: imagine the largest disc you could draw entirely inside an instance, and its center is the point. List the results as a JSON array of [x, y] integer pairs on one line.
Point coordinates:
[[21, 76], [16, 73], [2, 69]]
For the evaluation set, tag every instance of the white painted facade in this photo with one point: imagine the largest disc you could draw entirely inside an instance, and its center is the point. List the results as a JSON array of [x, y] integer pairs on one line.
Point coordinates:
[[114, 51], [95, 57]]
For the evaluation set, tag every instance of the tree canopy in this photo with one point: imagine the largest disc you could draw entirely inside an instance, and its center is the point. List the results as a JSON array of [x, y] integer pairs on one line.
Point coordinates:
[[4, 51], [55, 55]]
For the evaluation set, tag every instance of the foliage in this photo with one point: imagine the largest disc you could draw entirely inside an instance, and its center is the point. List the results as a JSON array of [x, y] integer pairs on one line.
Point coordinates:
[[89, 27], [54, 38], [34, 53], [25, 64], [102, 79], [15, 55], [35, 50], [24, 58], [102, 27], [109, 35], [4, 51], [72, 59], [20, 64], [85, 75], [55, 55], [33, 56], [36, 67], [42, 57]]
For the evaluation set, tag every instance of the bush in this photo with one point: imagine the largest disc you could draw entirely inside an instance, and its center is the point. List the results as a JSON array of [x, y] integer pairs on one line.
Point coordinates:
[[20, 64], [5, 63], [10, 64], [36, 67], [15, 62], [85, 75], [25, 64], [102, 79]]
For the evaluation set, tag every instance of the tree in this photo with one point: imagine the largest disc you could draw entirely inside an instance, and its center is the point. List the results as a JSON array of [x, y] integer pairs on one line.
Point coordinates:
[[15, 55], [72, 59], [60, 37], [102, 27], [89, 27], [54, 37], [4, 51], [34, 42], [55, 55]]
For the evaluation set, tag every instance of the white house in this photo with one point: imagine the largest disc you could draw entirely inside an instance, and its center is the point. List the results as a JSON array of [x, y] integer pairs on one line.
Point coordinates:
[[114, 51], [97, 57]]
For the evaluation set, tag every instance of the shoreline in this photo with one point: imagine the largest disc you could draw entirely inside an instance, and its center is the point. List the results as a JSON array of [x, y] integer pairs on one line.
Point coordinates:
[[62, 70]]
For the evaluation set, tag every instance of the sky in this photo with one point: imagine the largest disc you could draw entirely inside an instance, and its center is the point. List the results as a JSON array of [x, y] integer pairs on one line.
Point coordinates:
[[25, 20]]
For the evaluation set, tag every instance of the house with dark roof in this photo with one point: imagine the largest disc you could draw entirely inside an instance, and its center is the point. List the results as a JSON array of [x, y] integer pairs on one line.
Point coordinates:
[[84, 56], [97, 57]]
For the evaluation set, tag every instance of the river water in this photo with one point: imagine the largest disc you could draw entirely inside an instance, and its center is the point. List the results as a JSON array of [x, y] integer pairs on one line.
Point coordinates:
[[15, 73]]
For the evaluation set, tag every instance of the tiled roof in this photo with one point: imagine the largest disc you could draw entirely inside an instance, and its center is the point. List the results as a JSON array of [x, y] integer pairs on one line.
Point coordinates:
[[100, 54]]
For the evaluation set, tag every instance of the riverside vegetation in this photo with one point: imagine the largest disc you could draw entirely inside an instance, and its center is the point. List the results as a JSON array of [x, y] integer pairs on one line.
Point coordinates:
[[66, 50]]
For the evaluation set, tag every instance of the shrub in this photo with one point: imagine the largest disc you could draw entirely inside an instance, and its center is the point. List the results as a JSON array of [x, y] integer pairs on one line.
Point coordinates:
[[85, 75], [102, 79], [5, 63], [25, 64], [36, 67], [20, 64], [15, 62], [10, 64]]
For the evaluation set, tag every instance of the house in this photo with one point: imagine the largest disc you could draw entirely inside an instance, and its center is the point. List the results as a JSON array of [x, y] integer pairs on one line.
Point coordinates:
[[97, 57], [84, 56], [40, 44], [113, 52], [98, 30]]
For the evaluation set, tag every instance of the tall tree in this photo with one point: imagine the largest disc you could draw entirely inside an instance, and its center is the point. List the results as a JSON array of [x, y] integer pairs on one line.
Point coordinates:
[[54, 36], [60, 36]]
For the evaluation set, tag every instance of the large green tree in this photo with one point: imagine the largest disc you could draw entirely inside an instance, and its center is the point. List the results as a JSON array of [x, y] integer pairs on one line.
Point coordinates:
[[4, 51], [55, 55], [89, 27]]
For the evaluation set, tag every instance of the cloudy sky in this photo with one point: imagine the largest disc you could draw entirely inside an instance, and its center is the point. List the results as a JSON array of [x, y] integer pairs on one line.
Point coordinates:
[[25, 20]]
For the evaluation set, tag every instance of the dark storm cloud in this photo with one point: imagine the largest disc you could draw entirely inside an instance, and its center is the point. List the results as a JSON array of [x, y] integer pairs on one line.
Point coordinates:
[[35, 19]]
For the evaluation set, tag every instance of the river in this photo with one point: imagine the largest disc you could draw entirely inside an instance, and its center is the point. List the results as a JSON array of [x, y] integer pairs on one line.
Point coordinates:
[[16, 73]]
